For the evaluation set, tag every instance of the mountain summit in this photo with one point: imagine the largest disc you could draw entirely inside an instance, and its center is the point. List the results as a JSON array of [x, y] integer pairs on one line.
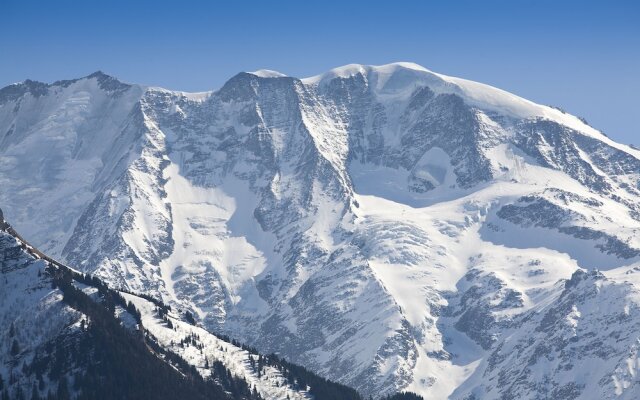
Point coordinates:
[[385, 226]]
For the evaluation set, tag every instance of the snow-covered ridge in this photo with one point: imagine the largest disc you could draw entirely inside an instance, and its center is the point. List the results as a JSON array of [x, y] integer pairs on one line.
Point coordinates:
[[476, 94], [410, 75], [267, 73]]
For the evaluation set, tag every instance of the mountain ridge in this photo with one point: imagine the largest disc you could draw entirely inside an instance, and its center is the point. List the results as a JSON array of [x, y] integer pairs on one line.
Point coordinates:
[[341, 72], [552, 112]]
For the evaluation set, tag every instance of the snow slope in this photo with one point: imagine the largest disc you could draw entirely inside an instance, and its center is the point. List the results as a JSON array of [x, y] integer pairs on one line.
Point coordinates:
[[270, 384]]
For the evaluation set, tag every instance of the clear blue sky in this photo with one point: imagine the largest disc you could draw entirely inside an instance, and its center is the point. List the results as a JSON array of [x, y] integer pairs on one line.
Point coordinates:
[[583, 56]]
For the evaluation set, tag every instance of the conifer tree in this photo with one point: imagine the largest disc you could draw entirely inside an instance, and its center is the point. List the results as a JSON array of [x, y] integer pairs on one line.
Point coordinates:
[[34, 393], [19, 394], [63, 388], [15, 348]]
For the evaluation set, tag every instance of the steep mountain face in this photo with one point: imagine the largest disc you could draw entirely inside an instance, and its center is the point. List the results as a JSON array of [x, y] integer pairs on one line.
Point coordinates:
[[387, 227], [67, 335], [59, 342]]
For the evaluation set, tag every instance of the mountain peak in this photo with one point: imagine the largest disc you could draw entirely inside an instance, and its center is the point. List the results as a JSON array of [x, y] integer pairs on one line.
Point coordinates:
[[108, 82], [99, 74], [402, 78], [349, 70]]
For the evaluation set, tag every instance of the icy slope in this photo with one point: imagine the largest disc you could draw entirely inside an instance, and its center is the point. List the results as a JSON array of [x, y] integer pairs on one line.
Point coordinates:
[[385, 226]]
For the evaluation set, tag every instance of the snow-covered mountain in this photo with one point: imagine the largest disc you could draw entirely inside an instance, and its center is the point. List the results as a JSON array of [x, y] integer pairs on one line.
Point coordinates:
[[385, 226], [67, 335]]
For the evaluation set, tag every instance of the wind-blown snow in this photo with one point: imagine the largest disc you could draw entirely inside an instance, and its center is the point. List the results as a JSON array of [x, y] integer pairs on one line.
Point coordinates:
[[267, 73]]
